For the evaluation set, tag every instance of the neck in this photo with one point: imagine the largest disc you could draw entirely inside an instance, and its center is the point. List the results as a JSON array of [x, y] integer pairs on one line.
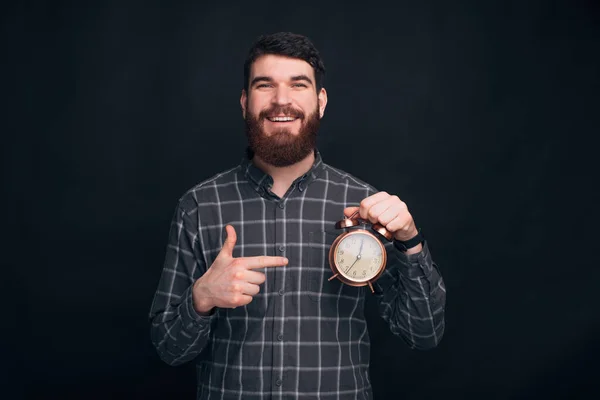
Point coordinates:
[[283, 177]]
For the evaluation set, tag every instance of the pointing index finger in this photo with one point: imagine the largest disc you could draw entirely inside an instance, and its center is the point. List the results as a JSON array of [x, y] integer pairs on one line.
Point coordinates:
[[265, 261]]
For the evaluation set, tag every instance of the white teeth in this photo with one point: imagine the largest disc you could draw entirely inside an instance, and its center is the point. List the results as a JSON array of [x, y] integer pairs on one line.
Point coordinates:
[[281, 119]]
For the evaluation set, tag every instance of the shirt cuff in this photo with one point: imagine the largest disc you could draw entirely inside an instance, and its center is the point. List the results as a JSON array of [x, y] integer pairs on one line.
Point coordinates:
[[192, 321], [414, 265]]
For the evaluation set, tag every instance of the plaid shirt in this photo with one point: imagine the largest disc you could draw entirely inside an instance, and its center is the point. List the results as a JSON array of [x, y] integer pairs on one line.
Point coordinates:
[[302, 336]]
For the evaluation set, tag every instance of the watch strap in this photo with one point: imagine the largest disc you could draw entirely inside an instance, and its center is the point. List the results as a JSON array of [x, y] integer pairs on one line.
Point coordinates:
[[410, 243]]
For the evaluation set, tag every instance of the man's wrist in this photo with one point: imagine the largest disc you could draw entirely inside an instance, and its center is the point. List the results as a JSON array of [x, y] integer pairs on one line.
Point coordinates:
[[202, 305], [406, 236]]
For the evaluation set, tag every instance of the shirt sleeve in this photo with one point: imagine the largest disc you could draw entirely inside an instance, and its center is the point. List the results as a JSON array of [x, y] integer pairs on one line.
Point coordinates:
[[412, 297], [177, 331]]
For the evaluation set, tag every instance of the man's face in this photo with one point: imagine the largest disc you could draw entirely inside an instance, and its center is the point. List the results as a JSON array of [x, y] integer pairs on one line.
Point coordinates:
[[282, 109]]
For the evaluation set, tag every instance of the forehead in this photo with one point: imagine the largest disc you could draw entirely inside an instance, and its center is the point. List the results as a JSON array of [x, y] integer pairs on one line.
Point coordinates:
[[280, 67]]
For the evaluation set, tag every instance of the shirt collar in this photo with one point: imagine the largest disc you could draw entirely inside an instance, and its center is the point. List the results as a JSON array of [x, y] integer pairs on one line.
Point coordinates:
[[262, 182]]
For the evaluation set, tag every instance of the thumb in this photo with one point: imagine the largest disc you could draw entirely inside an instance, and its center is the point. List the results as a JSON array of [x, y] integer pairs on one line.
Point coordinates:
[[348, 211], [230, 240]]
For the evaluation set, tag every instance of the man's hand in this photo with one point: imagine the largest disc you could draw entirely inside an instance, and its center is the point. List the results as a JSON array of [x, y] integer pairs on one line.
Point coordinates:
[[390, 212], [231, 282]]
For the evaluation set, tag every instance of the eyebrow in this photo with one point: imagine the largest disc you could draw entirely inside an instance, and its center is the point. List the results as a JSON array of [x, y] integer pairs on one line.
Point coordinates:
[[295, 78], [302, 78]]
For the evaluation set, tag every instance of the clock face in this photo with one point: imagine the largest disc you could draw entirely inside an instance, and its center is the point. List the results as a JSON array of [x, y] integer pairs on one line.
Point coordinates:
[[359, 256]]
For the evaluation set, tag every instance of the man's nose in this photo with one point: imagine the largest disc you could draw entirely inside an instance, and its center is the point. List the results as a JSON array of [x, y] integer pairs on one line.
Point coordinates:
[[282, 96]]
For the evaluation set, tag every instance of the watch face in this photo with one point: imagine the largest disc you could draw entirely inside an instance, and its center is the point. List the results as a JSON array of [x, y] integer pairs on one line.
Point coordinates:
[[359, 256]]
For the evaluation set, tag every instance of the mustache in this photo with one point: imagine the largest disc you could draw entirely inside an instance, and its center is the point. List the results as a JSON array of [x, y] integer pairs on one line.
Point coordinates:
[[288, 111]]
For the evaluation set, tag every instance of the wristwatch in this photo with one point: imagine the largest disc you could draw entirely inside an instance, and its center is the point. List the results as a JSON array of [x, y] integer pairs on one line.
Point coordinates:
[[410, 243]]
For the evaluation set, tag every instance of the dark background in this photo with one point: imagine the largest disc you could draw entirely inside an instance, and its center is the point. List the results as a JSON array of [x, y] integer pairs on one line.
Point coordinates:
[[480, 115]]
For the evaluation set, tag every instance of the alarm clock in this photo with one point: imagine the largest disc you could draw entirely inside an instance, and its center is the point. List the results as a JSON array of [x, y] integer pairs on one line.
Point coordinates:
[[357, 256]]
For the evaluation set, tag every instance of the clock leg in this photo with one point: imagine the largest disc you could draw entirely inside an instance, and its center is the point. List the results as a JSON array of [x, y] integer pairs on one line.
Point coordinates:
[[371, 286], [333, 277]]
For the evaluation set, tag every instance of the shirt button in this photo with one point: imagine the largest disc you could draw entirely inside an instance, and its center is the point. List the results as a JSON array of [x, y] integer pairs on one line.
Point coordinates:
[[281, 249], [281, 292], [278, 382], [280, 337], [281, 205]]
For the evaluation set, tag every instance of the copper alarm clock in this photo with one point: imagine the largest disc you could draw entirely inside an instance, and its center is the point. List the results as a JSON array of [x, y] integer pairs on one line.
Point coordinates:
[[357, 256]]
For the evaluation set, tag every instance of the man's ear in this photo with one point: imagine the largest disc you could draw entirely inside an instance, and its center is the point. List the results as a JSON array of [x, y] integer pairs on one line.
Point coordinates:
[[322, 102], [243, 102]]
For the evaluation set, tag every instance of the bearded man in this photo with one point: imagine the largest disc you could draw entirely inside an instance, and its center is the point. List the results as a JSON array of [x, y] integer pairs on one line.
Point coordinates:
[[245, 290]]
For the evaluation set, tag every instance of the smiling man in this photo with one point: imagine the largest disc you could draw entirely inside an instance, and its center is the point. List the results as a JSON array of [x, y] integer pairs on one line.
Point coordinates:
[[282, 118], [245, 290]]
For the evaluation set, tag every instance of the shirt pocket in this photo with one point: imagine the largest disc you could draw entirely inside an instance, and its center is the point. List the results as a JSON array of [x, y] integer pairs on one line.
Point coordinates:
[[318, 271]]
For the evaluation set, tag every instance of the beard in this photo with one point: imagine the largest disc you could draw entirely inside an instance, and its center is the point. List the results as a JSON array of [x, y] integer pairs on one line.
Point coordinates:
[[282, 148]]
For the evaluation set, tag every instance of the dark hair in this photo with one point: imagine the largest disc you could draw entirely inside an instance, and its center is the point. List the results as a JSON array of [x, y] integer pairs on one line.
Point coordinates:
[[286, 44]]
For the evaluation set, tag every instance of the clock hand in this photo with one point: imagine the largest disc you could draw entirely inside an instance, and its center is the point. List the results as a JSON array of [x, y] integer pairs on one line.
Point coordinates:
[[358, 256]]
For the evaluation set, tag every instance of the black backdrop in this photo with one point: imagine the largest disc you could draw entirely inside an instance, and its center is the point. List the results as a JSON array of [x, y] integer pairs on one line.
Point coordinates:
[[477, 114]]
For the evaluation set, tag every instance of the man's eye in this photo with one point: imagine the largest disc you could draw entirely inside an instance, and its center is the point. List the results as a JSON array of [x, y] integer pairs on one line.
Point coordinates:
[[263, 85], [299, 85]]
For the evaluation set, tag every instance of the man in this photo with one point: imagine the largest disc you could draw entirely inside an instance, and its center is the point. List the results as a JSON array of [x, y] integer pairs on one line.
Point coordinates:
[[256, 311]]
